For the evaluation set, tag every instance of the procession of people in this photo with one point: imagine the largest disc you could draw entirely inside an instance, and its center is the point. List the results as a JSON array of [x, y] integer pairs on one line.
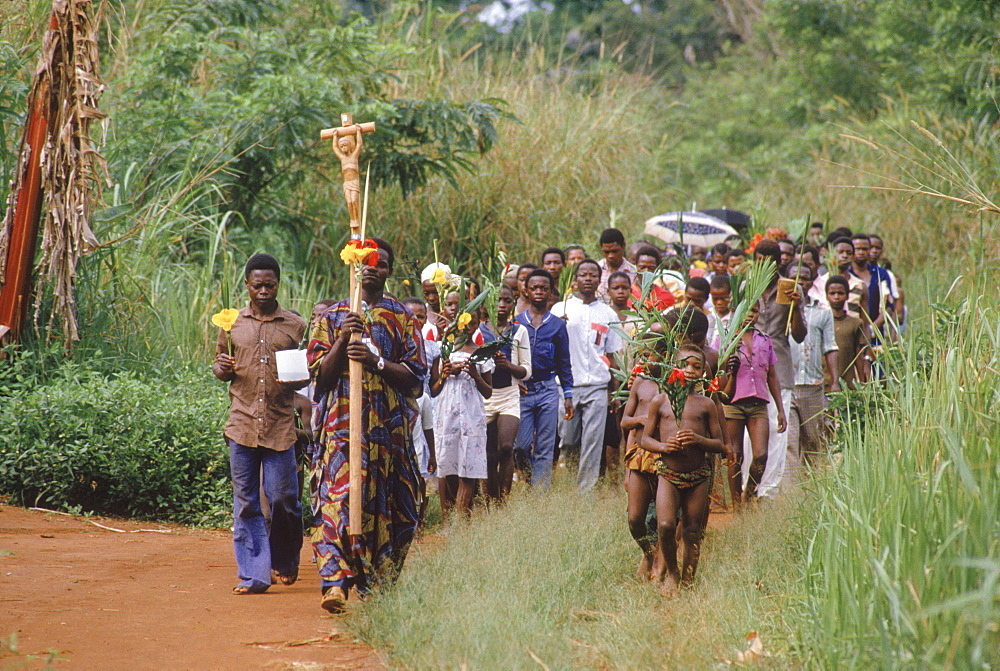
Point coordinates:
[[647, 368]]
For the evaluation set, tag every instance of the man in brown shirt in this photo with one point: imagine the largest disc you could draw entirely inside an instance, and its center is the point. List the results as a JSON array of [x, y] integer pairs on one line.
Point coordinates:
[[261, 432]]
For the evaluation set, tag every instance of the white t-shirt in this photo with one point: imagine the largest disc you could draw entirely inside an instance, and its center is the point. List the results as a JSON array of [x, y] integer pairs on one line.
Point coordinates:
[[591, 339]]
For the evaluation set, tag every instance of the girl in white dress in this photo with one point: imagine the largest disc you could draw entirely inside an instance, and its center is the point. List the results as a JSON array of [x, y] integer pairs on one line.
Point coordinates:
[[460, 422]]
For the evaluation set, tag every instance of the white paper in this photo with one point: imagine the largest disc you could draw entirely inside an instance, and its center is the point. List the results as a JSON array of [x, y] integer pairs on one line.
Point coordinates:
[[292, 366]]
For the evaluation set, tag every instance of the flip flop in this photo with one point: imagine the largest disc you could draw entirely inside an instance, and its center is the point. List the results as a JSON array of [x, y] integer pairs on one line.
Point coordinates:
[[241, 590]]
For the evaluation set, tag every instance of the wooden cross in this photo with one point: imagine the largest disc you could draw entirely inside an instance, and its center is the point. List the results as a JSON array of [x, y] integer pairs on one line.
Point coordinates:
[[347, 145]]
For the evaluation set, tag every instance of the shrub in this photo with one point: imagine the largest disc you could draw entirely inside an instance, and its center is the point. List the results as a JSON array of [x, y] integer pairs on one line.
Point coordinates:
[[116, 444]]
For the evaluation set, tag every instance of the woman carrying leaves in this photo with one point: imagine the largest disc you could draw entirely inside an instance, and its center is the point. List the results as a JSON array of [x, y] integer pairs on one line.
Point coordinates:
[[392, 355]]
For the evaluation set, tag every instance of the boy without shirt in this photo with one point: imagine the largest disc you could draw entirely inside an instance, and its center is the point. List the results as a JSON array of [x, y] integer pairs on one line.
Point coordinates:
[[685, 471], [640, 465]]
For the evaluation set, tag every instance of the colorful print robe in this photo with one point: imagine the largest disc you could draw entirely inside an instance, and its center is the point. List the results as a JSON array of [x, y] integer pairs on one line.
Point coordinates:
[[391, 494]]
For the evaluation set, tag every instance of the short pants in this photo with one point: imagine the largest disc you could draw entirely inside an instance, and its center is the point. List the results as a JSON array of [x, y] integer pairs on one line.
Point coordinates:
[[746, 409], [506, 401]]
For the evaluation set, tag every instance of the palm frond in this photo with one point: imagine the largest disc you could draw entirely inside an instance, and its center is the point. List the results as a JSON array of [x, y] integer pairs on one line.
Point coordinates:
[[746, 286]]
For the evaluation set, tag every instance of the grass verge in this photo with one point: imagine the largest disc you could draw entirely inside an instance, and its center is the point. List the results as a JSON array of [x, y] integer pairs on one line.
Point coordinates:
[[549, 581], [901, 557]]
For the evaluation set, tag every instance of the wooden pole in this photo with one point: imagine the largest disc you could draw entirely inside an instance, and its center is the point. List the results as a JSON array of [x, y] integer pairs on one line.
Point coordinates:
[[355, 371]]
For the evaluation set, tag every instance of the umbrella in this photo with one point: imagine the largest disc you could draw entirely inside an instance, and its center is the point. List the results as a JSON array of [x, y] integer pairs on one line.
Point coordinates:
[[735, 218], [700, 229]]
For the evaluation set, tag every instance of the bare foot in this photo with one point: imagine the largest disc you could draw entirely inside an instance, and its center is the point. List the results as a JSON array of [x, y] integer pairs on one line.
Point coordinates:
[[659, 566], [668, 586], [645, 570]]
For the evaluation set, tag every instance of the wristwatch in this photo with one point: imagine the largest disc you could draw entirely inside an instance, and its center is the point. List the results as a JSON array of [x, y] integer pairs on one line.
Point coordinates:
[[381, 364]]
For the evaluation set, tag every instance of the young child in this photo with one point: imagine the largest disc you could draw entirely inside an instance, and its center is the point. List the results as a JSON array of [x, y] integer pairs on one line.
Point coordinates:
[[684, 470], [752, 376], [640, 465], [460, 422], [717, 262], [619, 291], [433, 321], [721, 293], [423, 424], [735, 260], [503, 408], [696, 292]]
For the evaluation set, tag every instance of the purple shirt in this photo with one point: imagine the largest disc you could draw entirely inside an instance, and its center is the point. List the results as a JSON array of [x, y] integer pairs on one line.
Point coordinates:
[[751, 378]]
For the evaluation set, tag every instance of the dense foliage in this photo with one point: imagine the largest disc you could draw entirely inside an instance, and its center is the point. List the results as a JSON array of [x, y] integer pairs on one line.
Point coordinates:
[[114, 444]]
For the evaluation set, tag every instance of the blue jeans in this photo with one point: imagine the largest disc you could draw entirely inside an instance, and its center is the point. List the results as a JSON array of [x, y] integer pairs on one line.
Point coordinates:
[[536, 436], [257, 551]]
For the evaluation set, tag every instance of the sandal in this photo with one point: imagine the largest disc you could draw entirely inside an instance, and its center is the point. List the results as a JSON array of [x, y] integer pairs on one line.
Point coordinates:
[[334, 600], [241, 590], [286, 580]]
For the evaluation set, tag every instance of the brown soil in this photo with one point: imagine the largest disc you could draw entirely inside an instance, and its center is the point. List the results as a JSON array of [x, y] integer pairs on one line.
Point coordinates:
[[108, 600]]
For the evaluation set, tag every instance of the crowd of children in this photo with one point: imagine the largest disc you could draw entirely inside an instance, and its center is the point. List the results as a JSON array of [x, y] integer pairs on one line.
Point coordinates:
[[611, 368]]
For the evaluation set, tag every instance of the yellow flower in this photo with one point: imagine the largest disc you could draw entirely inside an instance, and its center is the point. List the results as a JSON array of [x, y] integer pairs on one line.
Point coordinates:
[[225, 319], [406, 282], [440, 277], [351, 254], [464, 319]]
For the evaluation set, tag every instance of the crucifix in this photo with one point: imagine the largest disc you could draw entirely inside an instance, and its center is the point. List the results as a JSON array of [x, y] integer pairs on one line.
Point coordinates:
[[347, 145]]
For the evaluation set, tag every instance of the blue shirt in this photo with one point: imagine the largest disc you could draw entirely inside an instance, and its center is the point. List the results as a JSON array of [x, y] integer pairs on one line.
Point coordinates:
[[878, 284], [549, 351]]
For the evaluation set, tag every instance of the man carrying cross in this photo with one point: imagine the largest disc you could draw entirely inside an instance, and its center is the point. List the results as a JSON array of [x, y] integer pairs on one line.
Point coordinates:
[[368, 363], [392, 356]]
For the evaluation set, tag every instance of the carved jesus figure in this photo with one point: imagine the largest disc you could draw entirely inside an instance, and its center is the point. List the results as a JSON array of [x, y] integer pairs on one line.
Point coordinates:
[[351, 173]]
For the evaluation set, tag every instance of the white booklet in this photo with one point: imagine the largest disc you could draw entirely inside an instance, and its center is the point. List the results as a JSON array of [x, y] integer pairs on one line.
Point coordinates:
[[292, 365]]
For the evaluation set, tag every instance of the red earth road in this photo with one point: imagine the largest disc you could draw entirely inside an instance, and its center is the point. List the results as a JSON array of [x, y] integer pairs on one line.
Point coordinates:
[[143, 600]]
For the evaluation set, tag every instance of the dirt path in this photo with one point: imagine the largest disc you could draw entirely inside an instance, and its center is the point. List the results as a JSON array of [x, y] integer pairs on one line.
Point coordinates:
[[143, 600]]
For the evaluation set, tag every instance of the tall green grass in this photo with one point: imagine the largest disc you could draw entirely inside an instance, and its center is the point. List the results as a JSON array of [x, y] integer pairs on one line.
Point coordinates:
[[549, 581], [902, 550]]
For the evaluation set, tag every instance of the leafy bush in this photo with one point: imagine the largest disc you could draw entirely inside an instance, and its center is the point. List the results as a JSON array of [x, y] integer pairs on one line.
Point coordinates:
[[118, 445]]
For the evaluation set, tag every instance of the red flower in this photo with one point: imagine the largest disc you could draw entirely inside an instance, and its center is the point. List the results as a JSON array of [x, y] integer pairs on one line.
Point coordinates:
[[713, 386], [753, 243], [637, 370], [676, 377]]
